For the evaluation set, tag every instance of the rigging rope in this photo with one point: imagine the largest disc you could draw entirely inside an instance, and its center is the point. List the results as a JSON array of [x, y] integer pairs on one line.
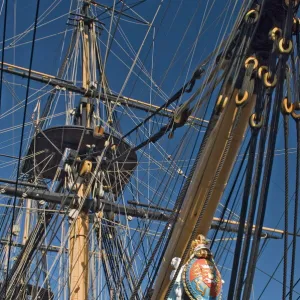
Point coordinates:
[[4, 285], [254, 193], [286, 203], [243, 214], [269, 158], [239, 273], [266, 181], [295, 210], [61, 71], [186, 88]]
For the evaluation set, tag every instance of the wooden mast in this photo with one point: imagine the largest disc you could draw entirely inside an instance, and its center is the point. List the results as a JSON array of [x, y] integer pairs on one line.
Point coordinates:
[[78, 240], [197, 191], [78, 253]]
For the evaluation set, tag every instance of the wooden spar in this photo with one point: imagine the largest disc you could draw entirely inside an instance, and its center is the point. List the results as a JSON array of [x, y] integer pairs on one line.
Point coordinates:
[[11, 67], [61, 83], [273, 230], [196, 193], [78, 240]]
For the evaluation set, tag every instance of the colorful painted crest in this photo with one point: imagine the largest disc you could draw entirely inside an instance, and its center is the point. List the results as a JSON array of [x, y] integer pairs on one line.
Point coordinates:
[[202, 280]]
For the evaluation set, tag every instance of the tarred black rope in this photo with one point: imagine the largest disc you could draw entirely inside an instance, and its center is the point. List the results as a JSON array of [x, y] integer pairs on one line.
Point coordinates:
[[286, 203], [243, 215], [287, 32], [254, 194], [295, 211], [268, 161], [266, 180], [286, 35], [294, 285]]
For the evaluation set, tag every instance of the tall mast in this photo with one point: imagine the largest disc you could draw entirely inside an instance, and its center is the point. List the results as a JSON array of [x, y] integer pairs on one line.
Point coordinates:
[[78, 239], [78, 253]]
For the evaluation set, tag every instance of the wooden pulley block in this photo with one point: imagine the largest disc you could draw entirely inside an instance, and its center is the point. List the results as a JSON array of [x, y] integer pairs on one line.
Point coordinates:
[[296, 23], [254, 123], [86, 168], [98, 131], [286, 49], [261, 71], [99, 214], [275, 33], [295, 2], [251, 60], [252, 16], [267, 82], [221, 103], [286, 107], [241, 100], [181, 115]]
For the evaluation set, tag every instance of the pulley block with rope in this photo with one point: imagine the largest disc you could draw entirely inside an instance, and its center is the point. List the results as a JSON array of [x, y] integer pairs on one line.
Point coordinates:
[[246, 90], [85, 168], [181, 115], [98, 131], [268, 81]]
